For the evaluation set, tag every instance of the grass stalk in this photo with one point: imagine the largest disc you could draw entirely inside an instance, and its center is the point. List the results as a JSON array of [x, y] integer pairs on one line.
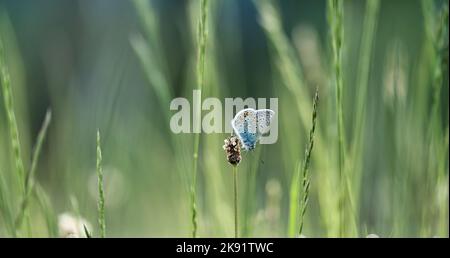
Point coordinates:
[[439, 67], [436, 132], [37, 150], [148, 49], [438, 35], [336, 10], [5, 81], [285, 57], [101, 197], [362, 83], [366, 50], [11, 117], [5, 207], [289, 70], [306, 178], [294, 201], [29, 181], [202, 36], [236, 213], [194, 210], [86, 232], [436, 32], [443, 210]]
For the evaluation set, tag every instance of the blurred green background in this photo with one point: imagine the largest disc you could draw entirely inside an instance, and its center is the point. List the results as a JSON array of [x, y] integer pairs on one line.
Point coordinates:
[[108, 64]]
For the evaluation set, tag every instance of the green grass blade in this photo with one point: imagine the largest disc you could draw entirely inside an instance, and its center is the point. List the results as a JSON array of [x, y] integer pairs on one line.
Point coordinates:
[[86, 231], [202, 36], [365, 57], [297, 206], [5, 207], [284, 56], [306, 178], [5, 81], [436, 24], [362, 84], [336, 23], [37, 149], [236, 202], [101, 197], [29, 181]]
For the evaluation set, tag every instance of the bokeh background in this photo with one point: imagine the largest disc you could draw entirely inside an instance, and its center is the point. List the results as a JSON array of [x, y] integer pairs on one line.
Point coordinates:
[[115, 65]]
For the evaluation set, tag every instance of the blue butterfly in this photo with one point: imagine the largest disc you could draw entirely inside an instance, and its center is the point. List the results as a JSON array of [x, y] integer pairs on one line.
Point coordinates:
[[249, 125]]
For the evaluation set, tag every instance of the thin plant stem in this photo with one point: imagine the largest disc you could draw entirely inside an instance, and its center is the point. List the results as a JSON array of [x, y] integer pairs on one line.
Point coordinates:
[[194, 211], [5, 81], [202, 35], [11, 116], [289, 69], [367, 42], [236, 213], [337, 33], [306, 181], [101, 197], [294, 201], [86, 232], [29, 181], [365, 59], [5, 206], [438, 35]]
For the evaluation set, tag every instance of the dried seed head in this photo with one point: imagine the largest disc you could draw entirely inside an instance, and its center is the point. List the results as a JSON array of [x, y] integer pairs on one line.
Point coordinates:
[[232, 148]]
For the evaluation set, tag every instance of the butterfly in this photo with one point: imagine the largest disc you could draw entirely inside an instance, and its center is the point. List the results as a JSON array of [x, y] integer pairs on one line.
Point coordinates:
[[249, 125]]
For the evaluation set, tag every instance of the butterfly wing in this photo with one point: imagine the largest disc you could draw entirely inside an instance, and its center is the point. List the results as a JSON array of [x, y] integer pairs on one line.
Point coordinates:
[[263, 119], [245, 127]]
